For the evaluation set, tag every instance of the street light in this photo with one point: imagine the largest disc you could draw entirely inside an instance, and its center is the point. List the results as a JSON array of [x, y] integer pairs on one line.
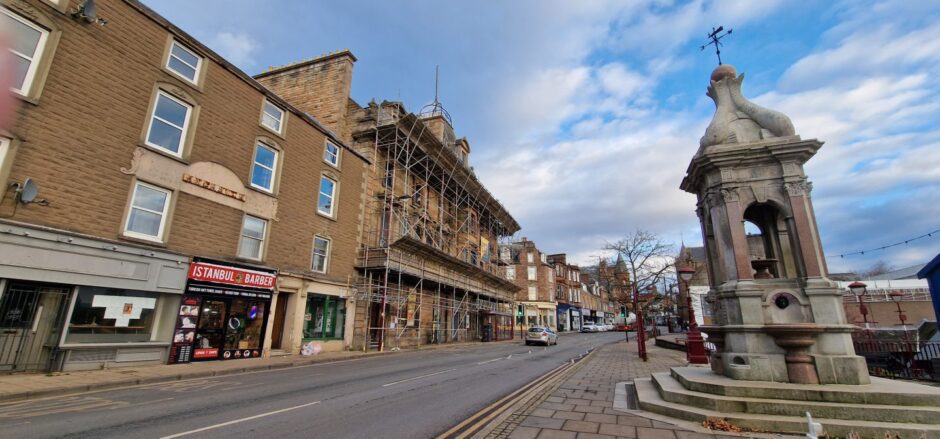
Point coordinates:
[[694, 343], [896, 296], [859, 289]]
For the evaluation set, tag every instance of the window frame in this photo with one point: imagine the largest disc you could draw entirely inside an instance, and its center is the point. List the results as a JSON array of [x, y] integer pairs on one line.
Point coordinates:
[[36, 61], [532, 273], [274, 169], [332, 212], [511, 272], [184, 134], [326, 255], [326, 149], [198, 68], [164, 215], [533, 293], [241, 236], [281, 122]]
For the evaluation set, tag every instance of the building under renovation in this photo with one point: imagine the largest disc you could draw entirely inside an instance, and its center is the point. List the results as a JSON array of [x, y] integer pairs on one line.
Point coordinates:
[[430, 271]]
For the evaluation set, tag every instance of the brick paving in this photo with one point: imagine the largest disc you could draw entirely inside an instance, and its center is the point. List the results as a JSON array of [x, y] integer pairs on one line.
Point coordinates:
[[581, 406]]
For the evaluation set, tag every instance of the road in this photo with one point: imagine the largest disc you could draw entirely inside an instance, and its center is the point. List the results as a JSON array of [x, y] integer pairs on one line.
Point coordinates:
[[412, 394]]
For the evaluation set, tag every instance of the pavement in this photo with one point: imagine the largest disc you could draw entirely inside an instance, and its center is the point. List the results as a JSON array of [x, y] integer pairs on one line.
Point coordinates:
[[25, 386], [581, 407], [412, 394]]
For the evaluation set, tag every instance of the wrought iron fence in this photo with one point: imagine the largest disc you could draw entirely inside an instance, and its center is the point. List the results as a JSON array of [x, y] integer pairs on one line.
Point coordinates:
[[901, 359]]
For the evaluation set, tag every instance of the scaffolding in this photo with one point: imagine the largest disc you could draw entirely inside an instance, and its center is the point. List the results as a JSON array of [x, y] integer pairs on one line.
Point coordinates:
[[429, 260]]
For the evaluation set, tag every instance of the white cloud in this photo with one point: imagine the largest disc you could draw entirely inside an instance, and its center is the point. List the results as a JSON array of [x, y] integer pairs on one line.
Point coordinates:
[[237, 47]]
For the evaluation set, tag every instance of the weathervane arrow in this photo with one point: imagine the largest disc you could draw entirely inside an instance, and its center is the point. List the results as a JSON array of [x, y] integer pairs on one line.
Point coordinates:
[[715, 36]]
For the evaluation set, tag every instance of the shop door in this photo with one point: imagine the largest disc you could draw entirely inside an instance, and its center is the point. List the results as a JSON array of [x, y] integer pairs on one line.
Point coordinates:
[[280, 313], [30, 318], [210, 331]]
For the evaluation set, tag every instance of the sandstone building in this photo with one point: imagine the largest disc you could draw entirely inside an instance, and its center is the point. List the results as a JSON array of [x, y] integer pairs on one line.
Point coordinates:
[[528, 268], [184, 212]]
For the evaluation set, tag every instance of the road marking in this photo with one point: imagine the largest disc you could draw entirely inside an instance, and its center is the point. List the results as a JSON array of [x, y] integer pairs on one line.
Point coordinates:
[[211, 427], [26, 409], [490, 361], [419, 377]]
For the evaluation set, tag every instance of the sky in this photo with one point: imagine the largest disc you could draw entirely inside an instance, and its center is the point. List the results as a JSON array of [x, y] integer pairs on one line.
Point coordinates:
[[583, 115]]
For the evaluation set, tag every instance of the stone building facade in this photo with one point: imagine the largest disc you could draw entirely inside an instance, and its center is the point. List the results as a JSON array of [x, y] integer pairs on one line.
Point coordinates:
[[529, 269], [167, 178], [568, 293]]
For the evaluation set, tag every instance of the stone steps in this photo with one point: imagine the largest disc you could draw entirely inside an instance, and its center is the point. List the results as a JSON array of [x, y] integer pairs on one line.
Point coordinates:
[[651, 400], [672, 390], [881, 391]]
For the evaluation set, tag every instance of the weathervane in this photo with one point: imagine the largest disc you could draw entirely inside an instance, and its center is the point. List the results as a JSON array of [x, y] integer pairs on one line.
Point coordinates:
[[715, 36]]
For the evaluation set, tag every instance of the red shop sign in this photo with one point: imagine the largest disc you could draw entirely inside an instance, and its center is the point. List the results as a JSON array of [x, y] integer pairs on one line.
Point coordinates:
[[231, 276]]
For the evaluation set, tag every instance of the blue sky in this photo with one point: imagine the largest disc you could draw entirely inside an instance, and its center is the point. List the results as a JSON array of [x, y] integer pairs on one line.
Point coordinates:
[[583, 115]]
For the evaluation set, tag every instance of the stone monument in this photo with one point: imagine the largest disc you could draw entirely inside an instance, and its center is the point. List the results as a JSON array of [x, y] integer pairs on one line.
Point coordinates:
[[783, 345], [778, 317]]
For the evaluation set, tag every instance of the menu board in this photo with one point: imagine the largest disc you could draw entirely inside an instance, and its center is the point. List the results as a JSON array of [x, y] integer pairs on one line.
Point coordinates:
[[181, 350]]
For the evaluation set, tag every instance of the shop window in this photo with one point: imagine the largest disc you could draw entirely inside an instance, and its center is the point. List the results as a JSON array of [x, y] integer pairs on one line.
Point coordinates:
[[251, 244], [263, 168], [169, 122], [27, 44], [109, 315], [325, 317], [147, 216], [327, 193], [321, 254], [272, 117], [184, 62], [244, 325], [331, 154]]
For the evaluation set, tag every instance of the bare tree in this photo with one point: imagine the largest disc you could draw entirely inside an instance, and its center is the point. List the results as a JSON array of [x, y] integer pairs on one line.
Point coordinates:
[[879, 267], [647, 257]]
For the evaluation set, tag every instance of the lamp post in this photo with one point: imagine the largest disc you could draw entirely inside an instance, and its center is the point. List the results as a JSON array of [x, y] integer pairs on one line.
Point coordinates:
[[896, 296], [859, 289], [694, 343], [640, 327]]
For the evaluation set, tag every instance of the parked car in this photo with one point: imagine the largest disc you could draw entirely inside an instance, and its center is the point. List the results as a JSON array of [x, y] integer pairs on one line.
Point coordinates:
[[601, 327], [541, 335], [623, 327], [589, 327], [609, 326]]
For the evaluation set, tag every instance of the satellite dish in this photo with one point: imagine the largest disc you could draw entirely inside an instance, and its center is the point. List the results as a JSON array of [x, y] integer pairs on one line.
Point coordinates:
[[28, 191], [89, 12]]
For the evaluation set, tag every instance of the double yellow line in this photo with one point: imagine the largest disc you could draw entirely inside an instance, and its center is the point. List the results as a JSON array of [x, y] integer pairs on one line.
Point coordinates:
[[474, 424]]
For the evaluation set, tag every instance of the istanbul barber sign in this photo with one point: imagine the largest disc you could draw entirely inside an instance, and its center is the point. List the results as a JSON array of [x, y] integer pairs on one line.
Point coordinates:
[[224, 312]]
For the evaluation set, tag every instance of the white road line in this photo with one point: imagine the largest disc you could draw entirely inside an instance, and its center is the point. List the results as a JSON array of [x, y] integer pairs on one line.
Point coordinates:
[[418, 377], [186, 433], [489, 361]]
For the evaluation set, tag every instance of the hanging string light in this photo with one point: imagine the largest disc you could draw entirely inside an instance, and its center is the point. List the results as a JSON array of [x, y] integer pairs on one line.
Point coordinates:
[[885, 247]]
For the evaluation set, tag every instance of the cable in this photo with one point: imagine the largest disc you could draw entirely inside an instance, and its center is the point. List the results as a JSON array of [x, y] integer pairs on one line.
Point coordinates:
[[884, 247]]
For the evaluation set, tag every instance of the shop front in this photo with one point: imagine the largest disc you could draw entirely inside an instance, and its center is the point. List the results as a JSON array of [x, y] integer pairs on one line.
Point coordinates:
[[70, 302], [224, 312], [497, 326]]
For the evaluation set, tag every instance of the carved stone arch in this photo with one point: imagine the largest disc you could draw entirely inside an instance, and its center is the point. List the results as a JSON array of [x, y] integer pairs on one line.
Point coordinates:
[[29, 11], [179, 93]]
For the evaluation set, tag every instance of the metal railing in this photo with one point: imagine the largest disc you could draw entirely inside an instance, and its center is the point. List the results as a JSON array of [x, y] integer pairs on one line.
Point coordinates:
[[901, 359]]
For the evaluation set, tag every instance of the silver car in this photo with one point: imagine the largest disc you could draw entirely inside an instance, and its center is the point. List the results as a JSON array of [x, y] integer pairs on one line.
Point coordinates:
[[541, 335]]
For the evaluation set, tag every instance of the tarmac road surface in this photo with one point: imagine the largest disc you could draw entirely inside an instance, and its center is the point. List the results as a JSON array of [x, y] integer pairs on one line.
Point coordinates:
[[411, 395]]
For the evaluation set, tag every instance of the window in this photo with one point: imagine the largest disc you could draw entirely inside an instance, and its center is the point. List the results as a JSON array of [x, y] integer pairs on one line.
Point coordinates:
[[262, 171], [327, 191], [272, 117], [532, 274], [184, 62], [110, 315], [511, 273], [530, 257], [533, 294], [26, 47], [321, 254], [325, 317], [543, 258], [168, 124], [251, 243], [148, 212], [331, 154]]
